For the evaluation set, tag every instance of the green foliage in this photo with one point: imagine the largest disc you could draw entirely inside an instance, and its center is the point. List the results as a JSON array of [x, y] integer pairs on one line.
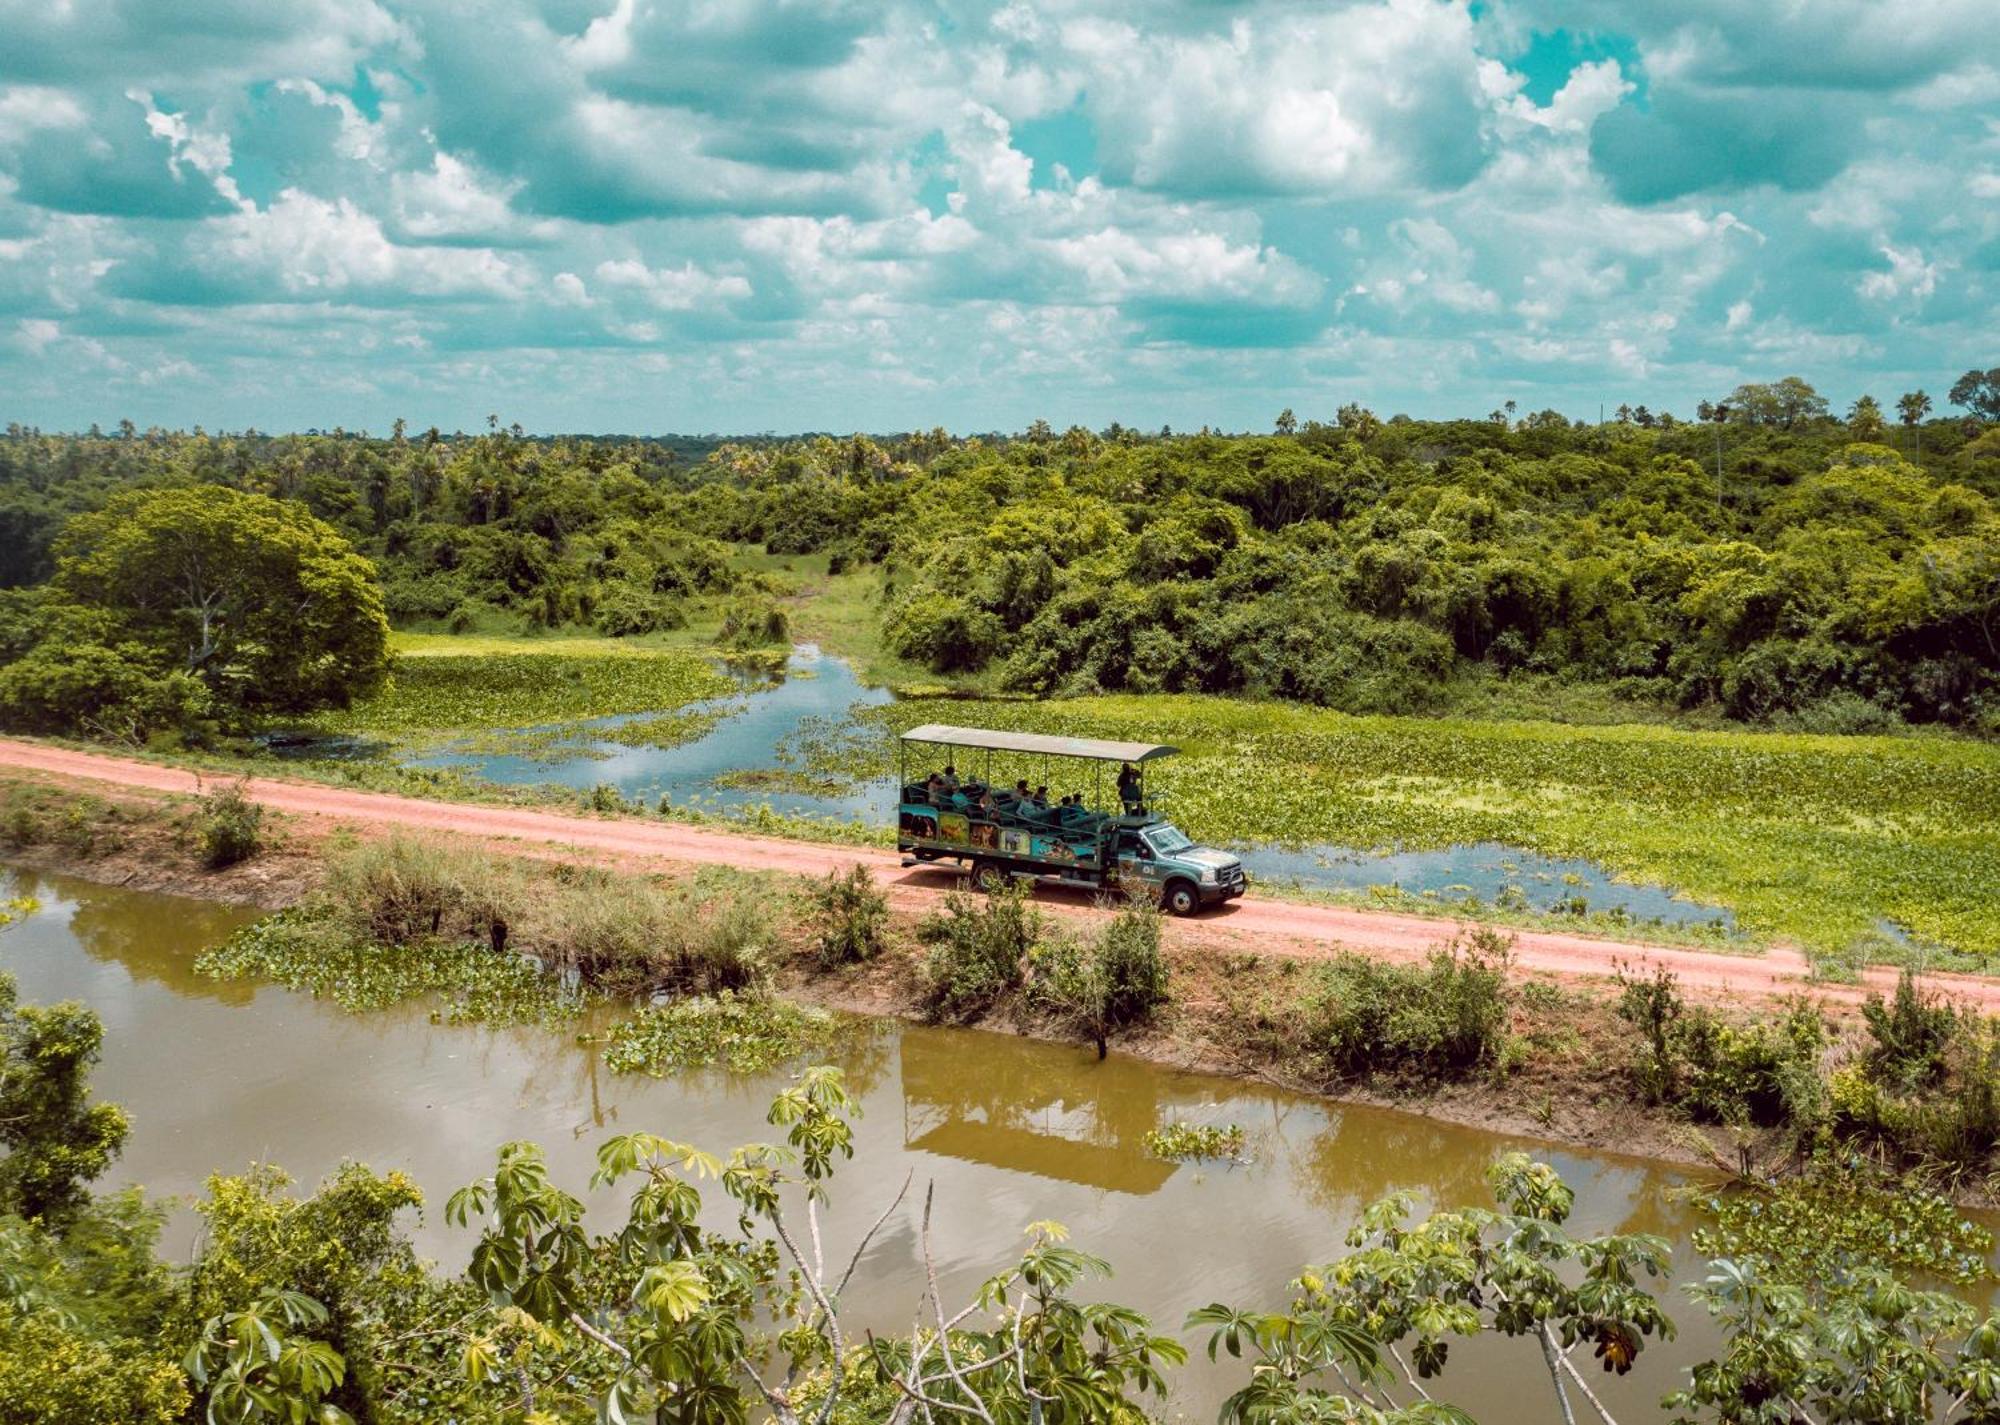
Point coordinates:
[[1869, 1348], [266, 605], [1691, 1059], [55, 1139], [848, 917], [446, 692], [745, 1032], [754, 621], [1912, 1035], [1179, 1142], [1841, 1213], [1114, 979], [977, 950], [51, 1371], [255, 1365], [1359, 1017], [123, 693], [1406, 1290], [228, 827], [326, 1274]]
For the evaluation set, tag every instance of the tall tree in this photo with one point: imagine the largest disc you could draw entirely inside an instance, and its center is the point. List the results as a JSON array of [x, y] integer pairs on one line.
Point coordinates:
[[1978, 392], [267, 605], [1864, 418]]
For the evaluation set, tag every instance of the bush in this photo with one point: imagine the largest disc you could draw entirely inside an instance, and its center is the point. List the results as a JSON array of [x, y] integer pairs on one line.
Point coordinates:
[[50, 1371], [623, 610], [1116, 979], [849, 917], [1911, 1035], [1689, 1059], [120, 694], [944, 633], [229, 828], [977, 948], [1364, 1017], [755, 621]]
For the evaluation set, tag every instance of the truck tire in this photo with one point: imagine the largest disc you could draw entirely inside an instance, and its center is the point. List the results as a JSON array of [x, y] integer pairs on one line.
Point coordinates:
[[1180, 897], [987, 876]]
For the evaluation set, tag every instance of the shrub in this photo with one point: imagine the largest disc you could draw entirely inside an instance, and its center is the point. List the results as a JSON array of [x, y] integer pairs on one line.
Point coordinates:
[[944, 633], [121, 694], [629, 937], [977, 946], [755, 621], [401, 889], [1912, 1034], [228, 828], [1364, 1017], [1117, 978], [849, 917], [624, 609], [50, 1371]]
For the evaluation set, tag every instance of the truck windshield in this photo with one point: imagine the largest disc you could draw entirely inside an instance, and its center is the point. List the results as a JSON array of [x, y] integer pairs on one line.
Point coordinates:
[[1168, 840]]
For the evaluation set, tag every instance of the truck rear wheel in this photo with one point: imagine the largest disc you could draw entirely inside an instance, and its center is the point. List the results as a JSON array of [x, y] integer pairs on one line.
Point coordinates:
[[1181, 898], [986, 876]]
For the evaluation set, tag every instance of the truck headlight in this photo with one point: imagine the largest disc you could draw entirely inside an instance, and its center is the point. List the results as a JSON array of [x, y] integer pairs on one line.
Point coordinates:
[[1208, 874]]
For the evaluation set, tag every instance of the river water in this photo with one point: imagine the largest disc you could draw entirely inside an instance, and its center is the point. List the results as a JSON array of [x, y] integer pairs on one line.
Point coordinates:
[[1011, 1131]]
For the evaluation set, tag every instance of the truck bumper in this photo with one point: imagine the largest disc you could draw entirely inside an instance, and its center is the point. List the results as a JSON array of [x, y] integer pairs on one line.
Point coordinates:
[[1222, 891]]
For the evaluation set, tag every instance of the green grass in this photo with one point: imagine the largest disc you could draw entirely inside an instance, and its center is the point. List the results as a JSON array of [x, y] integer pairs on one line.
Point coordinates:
[[1815, 839], [437, 691]]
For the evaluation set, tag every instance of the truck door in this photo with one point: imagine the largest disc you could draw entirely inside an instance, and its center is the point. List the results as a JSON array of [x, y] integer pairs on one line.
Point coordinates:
[[1137, 866]]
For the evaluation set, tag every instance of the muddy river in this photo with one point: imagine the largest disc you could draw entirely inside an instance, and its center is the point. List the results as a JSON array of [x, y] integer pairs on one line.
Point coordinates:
[[217, 1076]]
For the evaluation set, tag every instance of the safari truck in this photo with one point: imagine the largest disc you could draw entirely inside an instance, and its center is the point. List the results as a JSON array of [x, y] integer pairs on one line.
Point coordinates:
[[984, 800]]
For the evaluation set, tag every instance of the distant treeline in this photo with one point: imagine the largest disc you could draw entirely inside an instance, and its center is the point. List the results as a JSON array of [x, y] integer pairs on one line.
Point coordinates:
[[1769, 560]]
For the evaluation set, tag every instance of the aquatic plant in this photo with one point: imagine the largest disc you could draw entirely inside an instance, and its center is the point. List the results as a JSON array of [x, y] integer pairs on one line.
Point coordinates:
[[1179, 1142], [744, 1032]]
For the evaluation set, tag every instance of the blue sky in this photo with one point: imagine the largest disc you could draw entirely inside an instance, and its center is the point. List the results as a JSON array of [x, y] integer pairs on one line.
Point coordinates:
[[650, 215]]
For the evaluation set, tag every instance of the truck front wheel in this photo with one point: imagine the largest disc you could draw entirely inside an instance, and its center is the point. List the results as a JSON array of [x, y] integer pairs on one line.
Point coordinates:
[[1181, 898]]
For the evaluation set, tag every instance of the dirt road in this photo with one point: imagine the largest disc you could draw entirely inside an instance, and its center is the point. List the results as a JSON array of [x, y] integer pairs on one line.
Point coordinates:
[[1254, 923]]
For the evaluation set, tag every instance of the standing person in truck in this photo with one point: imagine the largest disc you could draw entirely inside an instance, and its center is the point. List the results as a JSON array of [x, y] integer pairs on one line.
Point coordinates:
[[1128, 789]]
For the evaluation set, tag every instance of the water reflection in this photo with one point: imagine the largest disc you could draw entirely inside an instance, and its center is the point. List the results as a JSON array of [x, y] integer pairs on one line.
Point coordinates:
[[1010, 1131], [1010, 1103]]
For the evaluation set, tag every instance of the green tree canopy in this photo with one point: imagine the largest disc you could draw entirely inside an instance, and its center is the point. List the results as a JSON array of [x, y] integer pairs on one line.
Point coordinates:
[[267, 605]]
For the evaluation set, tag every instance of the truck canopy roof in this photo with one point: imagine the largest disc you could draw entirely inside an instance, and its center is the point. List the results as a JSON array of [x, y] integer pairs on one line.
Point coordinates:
[[1038, 743]]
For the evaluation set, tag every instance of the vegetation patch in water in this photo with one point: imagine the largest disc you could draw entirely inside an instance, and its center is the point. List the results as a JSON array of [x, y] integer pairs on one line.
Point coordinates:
[[1179, 1142], [442, 692], [744, 1032], [307, 949]]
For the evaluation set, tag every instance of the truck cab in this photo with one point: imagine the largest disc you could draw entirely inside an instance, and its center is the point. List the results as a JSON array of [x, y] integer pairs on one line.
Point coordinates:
[[1184, 875]]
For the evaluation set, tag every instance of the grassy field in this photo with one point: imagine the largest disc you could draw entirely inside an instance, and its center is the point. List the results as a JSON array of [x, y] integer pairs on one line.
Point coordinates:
[[1829, 841]]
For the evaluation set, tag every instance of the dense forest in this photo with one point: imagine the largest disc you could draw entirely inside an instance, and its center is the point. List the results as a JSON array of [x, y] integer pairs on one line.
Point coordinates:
[[1769, 559]]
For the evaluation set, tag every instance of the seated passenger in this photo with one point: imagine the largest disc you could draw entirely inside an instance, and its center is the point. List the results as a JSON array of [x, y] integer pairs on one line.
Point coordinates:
[[933, 785], [1041, 797], [986, 800], [950, 777], [1021, 790]]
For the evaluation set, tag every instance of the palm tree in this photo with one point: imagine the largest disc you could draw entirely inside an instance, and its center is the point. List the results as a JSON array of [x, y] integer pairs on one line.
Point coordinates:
[[1913, 406]]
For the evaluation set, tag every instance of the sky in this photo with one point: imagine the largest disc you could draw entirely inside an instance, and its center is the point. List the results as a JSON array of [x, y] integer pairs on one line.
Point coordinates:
[[781, 215]]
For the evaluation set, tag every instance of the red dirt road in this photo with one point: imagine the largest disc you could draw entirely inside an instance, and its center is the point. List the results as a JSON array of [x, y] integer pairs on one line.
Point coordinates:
[[1252, 924]]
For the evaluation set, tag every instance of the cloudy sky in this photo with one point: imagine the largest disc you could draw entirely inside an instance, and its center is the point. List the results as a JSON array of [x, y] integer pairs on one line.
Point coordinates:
[[652, 215]]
